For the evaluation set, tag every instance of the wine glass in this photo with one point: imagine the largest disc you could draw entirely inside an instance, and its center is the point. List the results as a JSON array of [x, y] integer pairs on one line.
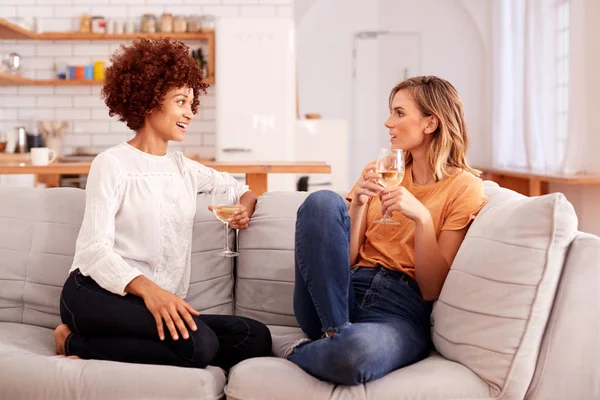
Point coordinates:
[[225, 202], [390, 165]]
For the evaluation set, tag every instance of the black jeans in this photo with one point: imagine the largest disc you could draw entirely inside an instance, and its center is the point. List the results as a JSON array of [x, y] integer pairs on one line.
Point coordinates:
[[106, 326]]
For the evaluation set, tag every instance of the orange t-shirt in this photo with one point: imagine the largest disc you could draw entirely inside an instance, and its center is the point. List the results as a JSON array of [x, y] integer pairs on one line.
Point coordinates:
[[453, 202]]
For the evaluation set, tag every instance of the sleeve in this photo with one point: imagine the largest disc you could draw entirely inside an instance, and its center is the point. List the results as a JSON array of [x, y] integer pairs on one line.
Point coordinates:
[[465, 206], [208, 178], [94, 252]]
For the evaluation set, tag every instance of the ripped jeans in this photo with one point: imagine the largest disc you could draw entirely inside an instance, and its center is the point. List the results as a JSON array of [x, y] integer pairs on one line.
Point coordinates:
[[381, 320]]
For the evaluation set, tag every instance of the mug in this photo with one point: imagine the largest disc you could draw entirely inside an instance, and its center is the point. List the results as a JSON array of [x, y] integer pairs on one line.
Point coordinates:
[[42, 156]]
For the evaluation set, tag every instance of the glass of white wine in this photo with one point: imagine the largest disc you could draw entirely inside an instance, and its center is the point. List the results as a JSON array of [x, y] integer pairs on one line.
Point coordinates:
[[225, 202], [390, 165]]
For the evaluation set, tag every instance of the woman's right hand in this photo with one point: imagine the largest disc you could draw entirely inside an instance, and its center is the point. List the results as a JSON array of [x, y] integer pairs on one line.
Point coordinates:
[[164, 306], [367, 187], [170, 310]]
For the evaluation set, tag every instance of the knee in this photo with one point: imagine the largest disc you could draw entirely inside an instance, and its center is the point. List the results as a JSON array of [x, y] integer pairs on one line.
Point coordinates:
[[258, 340], [322, 204], [359, 363], [206, 346]]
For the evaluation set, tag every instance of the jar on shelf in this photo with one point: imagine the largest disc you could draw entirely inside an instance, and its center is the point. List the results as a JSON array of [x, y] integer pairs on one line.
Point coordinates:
[[85, 24], [98, 24], [148, 23], [208, 22], [194, 24], [179, 24], [166, 23]]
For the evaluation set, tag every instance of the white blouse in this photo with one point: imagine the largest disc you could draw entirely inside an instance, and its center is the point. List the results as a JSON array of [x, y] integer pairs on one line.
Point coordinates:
[[139, 215]]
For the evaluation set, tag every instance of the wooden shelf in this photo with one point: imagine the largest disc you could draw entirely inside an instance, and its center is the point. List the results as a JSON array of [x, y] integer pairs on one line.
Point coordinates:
[[15, 80], [205, 35], [9, 30]]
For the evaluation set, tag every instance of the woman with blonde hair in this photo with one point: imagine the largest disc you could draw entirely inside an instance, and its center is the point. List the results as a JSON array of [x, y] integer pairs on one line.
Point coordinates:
[[364, 291]]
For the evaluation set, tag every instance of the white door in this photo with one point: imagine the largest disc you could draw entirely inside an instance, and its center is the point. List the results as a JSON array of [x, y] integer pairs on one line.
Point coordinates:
[[381, 60], [256, 92]]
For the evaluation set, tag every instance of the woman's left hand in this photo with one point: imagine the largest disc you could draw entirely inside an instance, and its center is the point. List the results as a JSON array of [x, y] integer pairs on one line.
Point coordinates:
[[240, 219], [401, 200]]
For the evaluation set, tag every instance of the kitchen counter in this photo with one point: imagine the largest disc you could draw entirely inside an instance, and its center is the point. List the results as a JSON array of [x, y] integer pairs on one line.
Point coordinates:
[[256, 172]]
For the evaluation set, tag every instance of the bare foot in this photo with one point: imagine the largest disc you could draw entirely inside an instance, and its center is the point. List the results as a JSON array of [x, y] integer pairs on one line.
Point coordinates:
[[60, 336]]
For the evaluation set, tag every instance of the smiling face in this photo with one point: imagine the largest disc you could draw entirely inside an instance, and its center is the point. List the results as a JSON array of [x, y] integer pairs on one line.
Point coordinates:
[[408, 128], [174, 117]]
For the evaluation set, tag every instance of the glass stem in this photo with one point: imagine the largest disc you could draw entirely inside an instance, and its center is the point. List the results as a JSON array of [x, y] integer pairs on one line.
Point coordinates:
[[226, 238]]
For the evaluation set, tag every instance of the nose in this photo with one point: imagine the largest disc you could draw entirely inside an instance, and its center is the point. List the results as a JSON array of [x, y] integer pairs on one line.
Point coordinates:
[[388, 123], [188, 114]]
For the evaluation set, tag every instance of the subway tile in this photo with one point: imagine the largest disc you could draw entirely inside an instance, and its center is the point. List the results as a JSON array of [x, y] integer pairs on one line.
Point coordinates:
[[99, 114], [73, 114], [83, 89], [8, 11], [38, 63], [55, 50], [279, 2], [88, 101], [138, 11], [222, 11], [193, 139], [28, 90], [45, 74], [84, 127], [96, 49], [35, 11], [129, 2], [263, 11], [17, 101], [73, 11], [208, 114], [77, 140], [6, 90], [202, 152], [7, 114], [240, 2], [54, 101], [106, 140], [36, 113], [209, 139], [55, 2], [25, 50], [119, 127], [109, 12], [205, 126]]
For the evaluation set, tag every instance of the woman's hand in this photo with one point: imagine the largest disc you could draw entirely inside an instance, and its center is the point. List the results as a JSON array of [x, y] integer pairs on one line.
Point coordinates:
[[240, 219], [401, 200], [173, 310], [367, 187]]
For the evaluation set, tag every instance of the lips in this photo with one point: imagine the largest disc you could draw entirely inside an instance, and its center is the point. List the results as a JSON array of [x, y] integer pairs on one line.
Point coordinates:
[[181, 126]]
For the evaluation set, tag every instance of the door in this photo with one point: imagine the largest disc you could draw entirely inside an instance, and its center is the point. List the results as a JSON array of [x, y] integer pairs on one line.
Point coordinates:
[[382, 59]]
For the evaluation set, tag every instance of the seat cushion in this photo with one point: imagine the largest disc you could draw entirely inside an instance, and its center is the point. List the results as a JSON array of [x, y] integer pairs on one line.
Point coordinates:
[[265, 267], [31, 370], [497, 298], [279, 379], [38, 231]]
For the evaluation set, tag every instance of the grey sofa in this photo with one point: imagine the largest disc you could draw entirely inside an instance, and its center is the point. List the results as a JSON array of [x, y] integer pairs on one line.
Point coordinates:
[[519, 316]]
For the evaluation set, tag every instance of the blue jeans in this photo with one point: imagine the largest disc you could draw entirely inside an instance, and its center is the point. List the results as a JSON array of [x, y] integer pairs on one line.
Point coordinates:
[[381, 320]]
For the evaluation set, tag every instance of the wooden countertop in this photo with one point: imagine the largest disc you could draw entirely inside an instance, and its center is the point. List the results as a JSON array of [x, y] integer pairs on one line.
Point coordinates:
[[264, 167]]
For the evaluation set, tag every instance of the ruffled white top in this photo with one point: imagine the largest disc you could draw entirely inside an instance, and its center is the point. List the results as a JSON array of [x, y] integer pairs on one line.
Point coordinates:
[[139, 215]]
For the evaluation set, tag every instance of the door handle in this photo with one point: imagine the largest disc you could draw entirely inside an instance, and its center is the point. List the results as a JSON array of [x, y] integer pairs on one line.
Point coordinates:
[[237, 150]]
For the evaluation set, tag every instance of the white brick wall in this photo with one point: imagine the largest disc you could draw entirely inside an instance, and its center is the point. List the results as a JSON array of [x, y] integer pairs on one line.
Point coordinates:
[[90, 124]]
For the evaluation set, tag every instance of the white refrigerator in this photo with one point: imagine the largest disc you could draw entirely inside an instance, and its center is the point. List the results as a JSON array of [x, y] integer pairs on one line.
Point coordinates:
[[256, 93]]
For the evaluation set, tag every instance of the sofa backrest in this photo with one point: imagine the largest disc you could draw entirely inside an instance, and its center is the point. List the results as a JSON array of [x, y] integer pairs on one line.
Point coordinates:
[[568, 366], [265, 267], [38, 231]]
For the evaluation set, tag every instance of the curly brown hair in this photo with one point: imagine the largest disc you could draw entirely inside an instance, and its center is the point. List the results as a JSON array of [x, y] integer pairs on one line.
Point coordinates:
[[141, 75]]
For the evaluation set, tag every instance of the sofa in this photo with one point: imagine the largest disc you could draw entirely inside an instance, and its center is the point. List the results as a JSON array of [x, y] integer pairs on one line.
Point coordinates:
[[518, 317]]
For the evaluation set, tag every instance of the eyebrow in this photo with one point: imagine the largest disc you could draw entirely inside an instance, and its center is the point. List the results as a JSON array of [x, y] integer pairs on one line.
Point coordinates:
[[181, 94], [398, 108]]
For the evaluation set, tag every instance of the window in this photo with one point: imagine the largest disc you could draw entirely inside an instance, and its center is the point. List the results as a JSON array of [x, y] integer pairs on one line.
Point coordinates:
[[562, 75]]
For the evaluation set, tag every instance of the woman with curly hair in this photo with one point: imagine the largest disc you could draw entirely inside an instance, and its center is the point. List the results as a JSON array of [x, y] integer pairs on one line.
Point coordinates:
[[123, 299]]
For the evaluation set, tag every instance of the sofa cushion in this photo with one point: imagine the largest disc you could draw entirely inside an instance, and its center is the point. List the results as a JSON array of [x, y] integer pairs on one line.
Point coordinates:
[[568, 366], [496, 301], [279, 379], [31, 370], [265, 267], [38, 230]]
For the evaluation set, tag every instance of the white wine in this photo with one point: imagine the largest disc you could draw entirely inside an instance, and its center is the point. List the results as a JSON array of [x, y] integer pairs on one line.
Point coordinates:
[[223, 213], [390, 178]]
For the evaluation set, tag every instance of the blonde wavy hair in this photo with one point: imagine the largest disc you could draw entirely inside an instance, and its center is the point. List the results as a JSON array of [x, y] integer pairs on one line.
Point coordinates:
[[449, 143]]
